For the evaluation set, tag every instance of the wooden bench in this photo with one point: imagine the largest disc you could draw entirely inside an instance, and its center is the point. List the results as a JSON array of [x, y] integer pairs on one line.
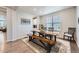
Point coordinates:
[[43, 39], [50, 42], [47, 43]]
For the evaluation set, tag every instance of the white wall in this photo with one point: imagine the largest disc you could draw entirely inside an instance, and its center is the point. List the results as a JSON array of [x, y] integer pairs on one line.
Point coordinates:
[[19, 30], [11, 17], [77, 27], [14, 21], [9, 25]]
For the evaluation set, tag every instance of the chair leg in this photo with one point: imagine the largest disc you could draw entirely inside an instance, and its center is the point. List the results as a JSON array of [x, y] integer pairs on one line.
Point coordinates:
[[30, 38], [64, 37], [73, 37], [70, 38]]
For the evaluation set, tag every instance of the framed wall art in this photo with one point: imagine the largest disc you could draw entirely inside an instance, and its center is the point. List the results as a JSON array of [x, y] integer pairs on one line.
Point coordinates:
[[25, 21]]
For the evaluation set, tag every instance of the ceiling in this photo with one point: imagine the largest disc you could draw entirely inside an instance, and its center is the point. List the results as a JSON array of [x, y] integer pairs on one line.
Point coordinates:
[[2, 9], [40, 10]]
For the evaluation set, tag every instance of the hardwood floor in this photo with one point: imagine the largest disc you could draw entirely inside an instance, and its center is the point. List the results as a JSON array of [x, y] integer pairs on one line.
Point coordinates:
[[73, 45], [17, 46]]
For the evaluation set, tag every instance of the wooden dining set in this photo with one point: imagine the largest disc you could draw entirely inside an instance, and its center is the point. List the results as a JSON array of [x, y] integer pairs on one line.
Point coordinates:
[[45, 39]]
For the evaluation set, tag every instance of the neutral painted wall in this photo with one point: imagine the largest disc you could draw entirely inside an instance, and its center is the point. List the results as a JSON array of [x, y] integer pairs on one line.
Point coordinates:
[[11, 23], [15, 30], [19, 30], [67, 16], [77, 25], [10, 17]]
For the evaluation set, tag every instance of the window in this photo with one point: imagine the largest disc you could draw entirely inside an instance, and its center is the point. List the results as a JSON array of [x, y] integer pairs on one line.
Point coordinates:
[[56, 23], [53, 23], [49, 23]]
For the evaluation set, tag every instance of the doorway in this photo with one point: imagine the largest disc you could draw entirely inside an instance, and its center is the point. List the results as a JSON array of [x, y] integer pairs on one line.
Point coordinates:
[[3, 28]]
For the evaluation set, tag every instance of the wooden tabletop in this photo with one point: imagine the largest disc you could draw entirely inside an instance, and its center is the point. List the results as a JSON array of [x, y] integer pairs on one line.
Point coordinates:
[[47, 32]]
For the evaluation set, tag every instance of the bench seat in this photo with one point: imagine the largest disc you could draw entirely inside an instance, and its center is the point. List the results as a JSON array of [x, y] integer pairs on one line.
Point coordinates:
[[50, 42]]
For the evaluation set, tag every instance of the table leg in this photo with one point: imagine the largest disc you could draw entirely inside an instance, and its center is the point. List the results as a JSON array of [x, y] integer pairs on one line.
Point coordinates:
[[55, 37], [50, 37]]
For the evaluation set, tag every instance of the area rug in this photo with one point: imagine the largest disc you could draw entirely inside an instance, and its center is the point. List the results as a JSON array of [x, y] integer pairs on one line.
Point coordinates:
[[61, 46]]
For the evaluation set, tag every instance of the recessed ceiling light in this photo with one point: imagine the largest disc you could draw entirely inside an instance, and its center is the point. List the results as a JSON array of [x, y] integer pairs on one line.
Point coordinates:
[[34, 9], [40, 11]]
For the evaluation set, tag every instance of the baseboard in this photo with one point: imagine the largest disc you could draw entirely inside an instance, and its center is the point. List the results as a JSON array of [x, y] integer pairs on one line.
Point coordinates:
[[22, 37]]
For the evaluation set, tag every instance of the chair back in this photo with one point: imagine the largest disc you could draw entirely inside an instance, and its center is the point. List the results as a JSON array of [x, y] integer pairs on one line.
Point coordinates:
[[71, 30]]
